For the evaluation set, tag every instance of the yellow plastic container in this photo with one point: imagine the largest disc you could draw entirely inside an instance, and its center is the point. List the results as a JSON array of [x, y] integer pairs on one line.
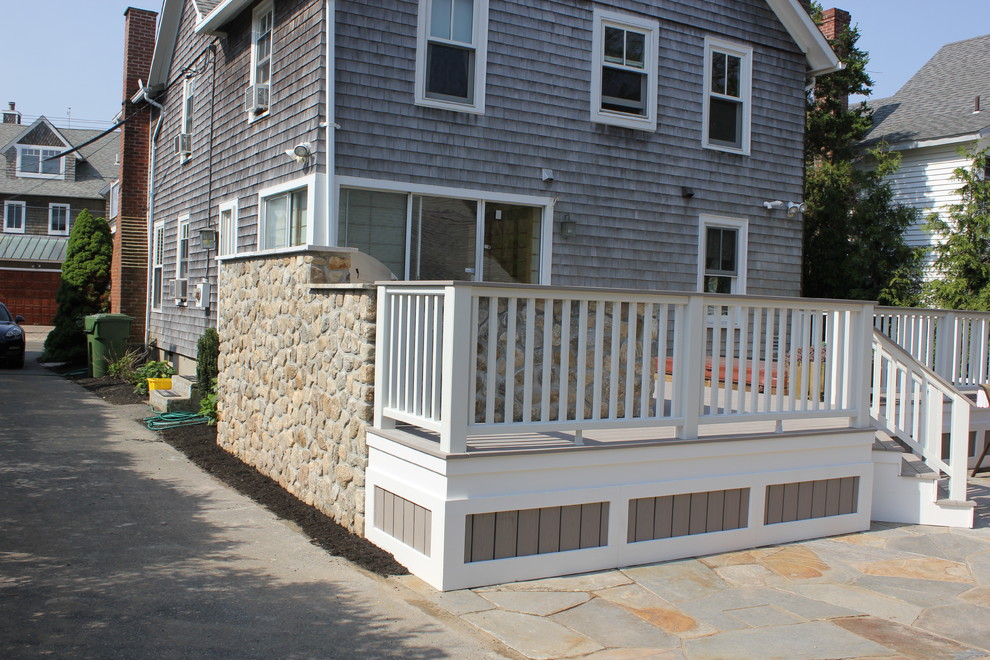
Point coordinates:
[[159, 383]]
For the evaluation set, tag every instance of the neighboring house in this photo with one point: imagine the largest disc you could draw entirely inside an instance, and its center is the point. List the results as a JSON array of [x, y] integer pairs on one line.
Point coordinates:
[[945, 106], [619, 144], [41, 195]]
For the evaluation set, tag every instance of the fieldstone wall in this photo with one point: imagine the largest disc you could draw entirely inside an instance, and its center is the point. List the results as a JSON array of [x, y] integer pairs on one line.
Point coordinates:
[[297, 375]]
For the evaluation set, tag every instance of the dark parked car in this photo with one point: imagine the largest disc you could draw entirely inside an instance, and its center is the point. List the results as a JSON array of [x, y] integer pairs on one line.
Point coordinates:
[[11, 338]]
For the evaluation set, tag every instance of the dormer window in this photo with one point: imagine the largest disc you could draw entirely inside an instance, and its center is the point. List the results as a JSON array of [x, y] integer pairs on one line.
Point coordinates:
[[39, 162]]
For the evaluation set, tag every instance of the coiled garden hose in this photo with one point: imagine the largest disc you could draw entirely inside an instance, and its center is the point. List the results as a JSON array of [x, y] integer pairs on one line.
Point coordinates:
[[170, 420]]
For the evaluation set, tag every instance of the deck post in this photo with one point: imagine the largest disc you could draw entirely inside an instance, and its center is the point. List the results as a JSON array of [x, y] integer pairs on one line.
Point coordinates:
[[457, 368], [383, 357], [946, 344], [689, 366], [958, 448], [860, 349]]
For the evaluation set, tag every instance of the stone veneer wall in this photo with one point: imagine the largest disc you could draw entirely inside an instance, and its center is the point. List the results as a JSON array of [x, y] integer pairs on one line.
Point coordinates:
[[297, 375]]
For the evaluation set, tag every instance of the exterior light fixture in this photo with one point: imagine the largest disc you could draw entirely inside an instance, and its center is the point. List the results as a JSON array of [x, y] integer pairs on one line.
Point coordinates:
[[778, 204], [301, 152], [208, 239], [793, 208], [568, 227]]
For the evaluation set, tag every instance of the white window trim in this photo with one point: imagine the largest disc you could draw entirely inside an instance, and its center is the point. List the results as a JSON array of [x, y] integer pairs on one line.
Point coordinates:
[[157, 263], [114, 199], [221, 235], [745, 53], [68, 219], [182, 265], [742, 248], [314, 206], [481, 196], [38, 175], [258, 12], [603, 18], [480, 60], [23, 207]]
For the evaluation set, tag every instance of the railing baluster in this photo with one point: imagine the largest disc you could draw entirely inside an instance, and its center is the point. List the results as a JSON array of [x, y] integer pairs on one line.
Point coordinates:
[[662, 337], [631, 337], [491, 359], [546, 380], [580, 376], [510, 360], [646, 384], [563, 406]]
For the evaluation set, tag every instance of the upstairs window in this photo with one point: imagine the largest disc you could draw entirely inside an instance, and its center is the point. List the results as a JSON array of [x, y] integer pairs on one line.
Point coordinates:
[[157, 265], [452, 57], [58, 219], [39, 162], [182, 250], [624, 71], [13, 217], [728, 73], [259, 93]]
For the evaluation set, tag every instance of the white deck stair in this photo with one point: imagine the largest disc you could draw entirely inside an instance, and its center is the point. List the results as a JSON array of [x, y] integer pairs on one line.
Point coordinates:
[[183, 396]]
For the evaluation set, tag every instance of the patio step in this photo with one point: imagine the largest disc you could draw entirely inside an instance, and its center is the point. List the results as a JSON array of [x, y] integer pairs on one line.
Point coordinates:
[[914, 467], [182, 397]]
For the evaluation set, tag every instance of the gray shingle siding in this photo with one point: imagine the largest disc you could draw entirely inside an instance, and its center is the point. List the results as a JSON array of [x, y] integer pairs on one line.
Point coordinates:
[[241, 157], [621, 185]]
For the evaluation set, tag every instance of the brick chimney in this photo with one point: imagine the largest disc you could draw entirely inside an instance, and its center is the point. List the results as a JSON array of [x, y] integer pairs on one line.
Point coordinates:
[[11, 116], [129, 268], [834, 23]]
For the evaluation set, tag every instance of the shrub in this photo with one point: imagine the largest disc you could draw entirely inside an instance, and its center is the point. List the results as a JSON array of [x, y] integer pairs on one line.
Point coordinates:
[[208, 403], [123, 367], [153, 369], [207, 356]]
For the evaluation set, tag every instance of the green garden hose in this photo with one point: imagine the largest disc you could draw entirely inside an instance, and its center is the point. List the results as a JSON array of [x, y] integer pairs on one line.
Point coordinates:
[[170, 420]]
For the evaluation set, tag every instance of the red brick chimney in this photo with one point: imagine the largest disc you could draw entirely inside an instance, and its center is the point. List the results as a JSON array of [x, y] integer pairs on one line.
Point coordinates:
[[129, 269], [834, 22]]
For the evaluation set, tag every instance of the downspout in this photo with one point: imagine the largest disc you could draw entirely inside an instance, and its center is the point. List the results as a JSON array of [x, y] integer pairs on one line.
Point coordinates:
[[331, 124], [151, 211]]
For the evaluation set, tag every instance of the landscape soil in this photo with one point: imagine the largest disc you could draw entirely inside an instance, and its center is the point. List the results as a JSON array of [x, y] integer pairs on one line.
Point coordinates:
[[199, 444]]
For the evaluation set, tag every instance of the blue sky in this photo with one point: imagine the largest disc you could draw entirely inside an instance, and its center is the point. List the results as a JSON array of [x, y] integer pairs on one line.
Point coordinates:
[[73, 58]]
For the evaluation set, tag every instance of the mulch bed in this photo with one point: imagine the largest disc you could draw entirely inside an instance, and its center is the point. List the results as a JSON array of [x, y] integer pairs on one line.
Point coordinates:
[[199, 444]]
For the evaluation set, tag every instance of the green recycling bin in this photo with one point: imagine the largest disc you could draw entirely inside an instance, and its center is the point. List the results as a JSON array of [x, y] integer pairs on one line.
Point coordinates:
[[106, 338]]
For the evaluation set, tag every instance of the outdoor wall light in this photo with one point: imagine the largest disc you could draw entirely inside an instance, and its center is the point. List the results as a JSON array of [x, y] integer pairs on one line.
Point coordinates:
[[794, 207], [568, 227], [778, 204], [208, 238], [301, 152]]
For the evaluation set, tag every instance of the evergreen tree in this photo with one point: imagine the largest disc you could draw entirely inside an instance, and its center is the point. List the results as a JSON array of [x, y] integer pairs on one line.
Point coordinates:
[[962, 250], [83, 290], [853, 231]]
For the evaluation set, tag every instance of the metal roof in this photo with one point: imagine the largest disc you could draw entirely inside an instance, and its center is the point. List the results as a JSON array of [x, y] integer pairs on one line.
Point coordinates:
[[28, 247]]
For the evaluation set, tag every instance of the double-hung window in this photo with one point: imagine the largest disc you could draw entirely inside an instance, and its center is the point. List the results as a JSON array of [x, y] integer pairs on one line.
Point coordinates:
[[624, 70], [723, 255], [58, 219], [284, 217], [259, 93], [227, 241], [452, 54], [728, 82], [14, 217], [182, 250], [158, 265], [39, 162]]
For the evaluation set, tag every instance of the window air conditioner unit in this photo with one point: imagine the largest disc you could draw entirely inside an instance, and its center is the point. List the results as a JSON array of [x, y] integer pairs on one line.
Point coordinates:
[[256, 99], [183, 144], [180, 290]]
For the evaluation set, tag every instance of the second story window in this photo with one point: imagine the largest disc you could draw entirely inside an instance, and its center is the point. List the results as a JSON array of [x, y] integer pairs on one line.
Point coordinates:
[[452, 57], [182, 250], [58, 219], [728, 71], [39, 162], [624, 71], [259, 92], [13, 217]]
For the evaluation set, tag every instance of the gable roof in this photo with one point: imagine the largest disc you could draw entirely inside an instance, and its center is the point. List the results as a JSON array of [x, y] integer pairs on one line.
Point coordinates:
[[938, 102], [96, 165], [41, 125], [215, 13]]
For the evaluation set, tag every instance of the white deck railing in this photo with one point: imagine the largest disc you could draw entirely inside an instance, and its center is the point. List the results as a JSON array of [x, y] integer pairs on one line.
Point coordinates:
[[462, 358], [953, 344], [918, 406]]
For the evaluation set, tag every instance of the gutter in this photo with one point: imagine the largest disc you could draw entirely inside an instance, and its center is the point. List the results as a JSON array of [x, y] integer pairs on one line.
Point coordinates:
[[331, 126]]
